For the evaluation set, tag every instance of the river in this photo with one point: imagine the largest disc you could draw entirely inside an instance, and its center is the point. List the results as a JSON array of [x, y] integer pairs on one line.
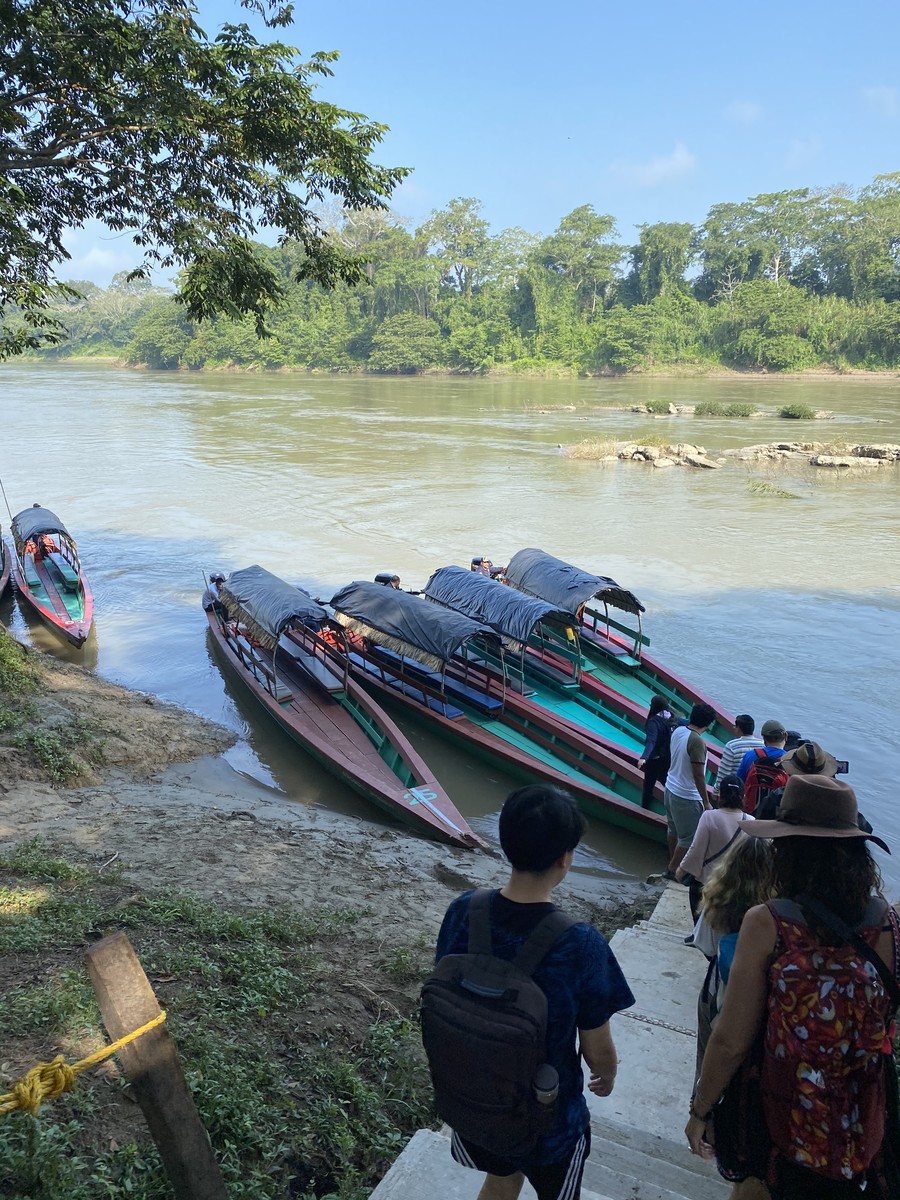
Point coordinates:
[[786, 608]]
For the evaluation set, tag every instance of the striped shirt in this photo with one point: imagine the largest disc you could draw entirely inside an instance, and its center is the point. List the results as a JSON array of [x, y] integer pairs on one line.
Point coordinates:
[[733, 753]]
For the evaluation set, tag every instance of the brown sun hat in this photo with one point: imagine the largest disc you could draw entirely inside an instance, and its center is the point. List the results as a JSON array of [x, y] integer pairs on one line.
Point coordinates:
[[814, 806], [809, 759]]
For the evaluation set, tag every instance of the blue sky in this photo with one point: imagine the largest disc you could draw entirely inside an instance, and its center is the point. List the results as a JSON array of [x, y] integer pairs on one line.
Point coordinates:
[[649, 111]]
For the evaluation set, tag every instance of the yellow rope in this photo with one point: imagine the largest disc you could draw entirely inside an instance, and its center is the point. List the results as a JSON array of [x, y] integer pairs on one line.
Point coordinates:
[[46, 1081]]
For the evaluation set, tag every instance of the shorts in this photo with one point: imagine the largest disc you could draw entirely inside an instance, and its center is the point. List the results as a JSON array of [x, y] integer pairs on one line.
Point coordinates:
[[552, 1181], [682, 817]]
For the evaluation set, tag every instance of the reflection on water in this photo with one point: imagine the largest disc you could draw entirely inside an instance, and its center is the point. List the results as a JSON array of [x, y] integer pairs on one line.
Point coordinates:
[[784, 608]]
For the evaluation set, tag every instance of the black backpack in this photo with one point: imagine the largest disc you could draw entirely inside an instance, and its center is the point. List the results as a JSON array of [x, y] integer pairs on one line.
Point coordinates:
[[484, 1029]]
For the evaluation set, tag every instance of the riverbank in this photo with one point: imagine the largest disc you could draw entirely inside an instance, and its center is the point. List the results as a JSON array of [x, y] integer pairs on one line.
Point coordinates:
[[286, 943], [508, 371]]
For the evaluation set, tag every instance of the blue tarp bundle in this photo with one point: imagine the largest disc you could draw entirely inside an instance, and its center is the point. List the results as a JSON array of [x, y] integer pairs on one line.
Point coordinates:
[[267, 604], [32, 521], [512, 614], [540, 574], [407, 624]]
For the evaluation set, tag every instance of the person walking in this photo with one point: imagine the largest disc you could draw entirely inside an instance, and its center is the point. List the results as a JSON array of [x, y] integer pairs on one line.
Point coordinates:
[[739, 880], [717, 830], [734, 751], [686, 794], [808, 1014], [540, 827], [655, 758]]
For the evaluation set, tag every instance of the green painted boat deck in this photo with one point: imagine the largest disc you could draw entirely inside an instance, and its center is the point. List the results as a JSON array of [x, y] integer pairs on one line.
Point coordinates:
[[579, 709], [73, 602], [640, 686]]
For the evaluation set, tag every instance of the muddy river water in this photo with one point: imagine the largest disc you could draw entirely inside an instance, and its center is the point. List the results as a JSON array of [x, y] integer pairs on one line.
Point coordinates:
[[782, 607]]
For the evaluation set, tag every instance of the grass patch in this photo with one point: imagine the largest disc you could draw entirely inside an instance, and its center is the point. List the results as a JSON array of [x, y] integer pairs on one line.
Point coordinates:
[[797, 412], [18, 674], [761, 487], [48, 748], [713, 408], [659, 408], [307, 1090], [593, 448]]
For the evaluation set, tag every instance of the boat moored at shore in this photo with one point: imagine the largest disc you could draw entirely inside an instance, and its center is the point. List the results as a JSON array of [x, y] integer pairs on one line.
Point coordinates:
[[48, 573], [434, 661], [271, 635]]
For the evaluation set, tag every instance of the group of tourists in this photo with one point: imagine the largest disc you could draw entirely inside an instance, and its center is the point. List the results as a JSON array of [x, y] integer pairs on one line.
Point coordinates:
[[795, 1091]]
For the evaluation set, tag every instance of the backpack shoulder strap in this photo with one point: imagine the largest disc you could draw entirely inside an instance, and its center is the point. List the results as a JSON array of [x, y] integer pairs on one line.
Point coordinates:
[[480, 922], [760, 752], [541, 939], [837, 925]]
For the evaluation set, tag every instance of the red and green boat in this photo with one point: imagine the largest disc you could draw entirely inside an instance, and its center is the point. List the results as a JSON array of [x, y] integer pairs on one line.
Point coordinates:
[[49, 576], [615, 668], [280, 644]]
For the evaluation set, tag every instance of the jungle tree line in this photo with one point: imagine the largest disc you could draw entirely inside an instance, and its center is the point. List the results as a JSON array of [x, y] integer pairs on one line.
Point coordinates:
[[780, 281]]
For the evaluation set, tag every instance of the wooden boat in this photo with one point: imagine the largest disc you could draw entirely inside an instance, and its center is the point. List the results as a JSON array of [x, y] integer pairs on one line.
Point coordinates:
[[617, 669], [534, 632], [431, 660], [48, 573], [270, 635], [5, 565]]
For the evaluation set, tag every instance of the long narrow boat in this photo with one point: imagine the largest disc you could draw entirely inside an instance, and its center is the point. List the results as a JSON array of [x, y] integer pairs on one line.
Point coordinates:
[[616, 665], [270, 635], [5, 564], [430, 660], [48, 573], [533, 632]]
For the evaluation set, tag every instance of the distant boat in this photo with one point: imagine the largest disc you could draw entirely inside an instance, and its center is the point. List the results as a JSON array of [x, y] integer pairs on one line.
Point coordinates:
[[430, 659], [274, 638], [617, 669], [48, 573]]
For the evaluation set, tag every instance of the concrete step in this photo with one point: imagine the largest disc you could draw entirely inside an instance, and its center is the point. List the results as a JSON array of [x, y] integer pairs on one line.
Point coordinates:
[[643, 1166], [425, 1171]]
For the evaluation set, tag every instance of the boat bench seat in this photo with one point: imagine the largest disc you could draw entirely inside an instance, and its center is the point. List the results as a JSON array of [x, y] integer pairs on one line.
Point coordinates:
[[279, 690], [513, 683], [453, 687], [66, 570], [312, 666], [31, 576], [400, 685], [553, 674], [613, 649]]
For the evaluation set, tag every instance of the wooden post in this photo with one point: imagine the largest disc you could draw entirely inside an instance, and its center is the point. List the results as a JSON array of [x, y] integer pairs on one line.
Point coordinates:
[[151, 1064]]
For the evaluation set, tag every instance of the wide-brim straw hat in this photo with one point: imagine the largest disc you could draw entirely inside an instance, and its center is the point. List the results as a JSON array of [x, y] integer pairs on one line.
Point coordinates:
[[815, 806], [809, 759]]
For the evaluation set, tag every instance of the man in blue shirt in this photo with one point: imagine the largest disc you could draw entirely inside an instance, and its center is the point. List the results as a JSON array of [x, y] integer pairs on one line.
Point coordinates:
[[774, 736], [540, 827]]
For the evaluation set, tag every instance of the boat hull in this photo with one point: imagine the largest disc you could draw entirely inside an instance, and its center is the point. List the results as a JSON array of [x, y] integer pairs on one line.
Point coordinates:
[[526, 743], [68, 612], [5, 567], [320, 724], [650, 677]]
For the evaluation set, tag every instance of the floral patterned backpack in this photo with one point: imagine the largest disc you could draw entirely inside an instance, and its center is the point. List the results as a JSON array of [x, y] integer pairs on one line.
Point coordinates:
[[830, 1025]]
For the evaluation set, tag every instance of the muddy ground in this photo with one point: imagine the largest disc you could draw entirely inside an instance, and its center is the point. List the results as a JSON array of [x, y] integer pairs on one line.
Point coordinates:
[[166, 808]]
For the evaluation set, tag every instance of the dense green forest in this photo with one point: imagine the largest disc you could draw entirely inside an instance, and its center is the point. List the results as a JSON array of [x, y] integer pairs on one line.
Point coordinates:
[[781, 282]]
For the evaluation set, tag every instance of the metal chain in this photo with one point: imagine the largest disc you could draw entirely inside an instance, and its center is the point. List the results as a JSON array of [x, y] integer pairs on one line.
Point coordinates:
[[655, 1021]]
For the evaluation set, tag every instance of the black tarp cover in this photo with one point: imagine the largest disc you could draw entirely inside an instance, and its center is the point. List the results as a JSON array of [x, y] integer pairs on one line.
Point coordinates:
[[540, 574], [511, 613], [405, 623], [266, 604], [32, 521]]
